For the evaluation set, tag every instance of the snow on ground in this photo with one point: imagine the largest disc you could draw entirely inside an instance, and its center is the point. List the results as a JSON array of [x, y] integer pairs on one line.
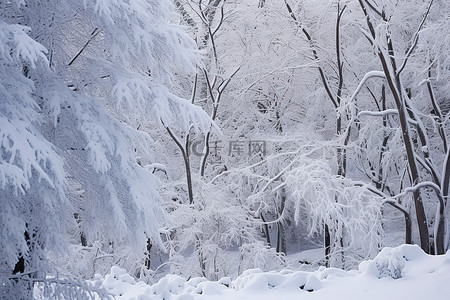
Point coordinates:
[[307, 260], [404, 272]]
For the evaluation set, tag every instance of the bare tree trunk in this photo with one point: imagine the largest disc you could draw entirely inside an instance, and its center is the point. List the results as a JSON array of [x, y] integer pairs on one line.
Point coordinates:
[[281, 238], [187, 165], [408, 223], [281, 234], [147, 254], [443, 235], [266, 230], [446, 193], [327, 243]]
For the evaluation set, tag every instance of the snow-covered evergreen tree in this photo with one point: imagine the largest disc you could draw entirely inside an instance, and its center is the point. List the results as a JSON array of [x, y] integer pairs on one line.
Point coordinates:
[[78, 80]]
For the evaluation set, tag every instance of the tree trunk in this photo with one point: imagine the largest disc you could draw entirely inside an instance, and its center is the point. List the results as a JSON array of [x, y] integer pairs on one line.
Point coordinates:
[[281, 232], [281, 238], [266, 230], [147, 254], [187, 165], [327, 243]]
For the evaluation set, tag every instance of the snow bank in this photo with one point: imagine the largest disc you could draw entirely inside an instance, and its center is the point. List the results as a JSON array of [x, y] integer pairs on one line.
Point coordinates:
[[404, 272]]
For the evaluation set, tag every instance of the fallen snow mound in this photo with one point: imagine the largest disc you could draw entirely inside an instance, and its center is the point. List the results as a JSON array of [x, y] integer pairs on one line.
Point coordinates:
[[404, 272]]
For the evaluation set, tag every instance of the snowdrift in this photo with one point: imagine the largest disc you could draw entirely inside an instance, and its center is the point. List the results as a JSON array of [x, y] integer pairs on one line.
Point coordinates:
[[404, 272]]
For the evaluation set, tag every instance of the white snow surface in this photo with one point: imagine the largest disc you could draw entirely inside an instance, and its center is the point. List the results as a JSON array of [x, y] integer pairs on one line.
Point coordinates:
[[404, 272]]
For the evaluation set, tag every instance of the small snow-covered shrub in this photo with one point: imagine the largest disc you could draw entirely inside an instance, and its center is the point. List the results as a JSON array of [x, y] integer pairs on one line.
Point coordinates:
[[391, 261]]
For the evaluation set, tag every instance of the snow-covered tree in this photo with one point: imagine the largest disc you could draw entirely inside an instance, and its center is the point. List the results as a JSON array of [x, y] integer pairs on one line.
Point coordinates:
[[77, 81], [34, 205]]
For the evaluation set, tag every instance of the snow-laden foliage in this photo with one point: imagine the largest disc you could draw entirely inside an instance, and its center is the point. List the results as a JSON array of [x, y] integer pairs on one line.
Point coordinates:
[[214, 227], [126, 53], [32, 176], [77, 78], [348, 207]]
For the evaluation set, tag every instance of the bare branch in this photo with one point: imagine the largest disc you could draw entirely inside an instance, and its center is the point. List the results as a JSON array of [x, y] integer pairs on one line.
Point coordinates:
[[437, 111], [93, 35], [415, 39], [316, 57]]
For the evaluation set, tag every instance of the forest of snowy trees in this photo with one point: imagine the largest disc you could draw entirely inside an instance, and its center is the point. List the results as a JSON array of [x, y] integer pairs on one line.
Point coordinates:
[[207, 137]]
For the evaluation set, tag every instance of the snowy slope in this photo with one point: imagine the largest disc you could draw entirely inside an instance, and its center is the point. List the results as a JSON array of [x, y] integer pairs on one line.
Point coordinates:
[[404, 272]]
